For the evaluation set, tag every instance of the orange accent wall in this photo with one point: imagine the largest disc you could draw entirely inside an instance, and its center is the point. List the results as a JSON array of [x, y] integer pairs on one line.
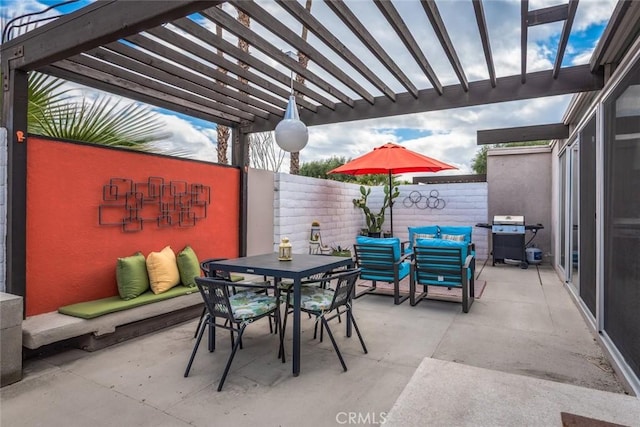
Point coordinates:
[[70, 257]]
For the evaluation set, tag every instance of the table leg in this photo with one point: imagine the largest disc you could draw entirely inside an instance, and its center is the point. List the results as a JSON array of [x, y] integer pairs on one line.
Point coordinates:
[[296, 327], [353, 295]]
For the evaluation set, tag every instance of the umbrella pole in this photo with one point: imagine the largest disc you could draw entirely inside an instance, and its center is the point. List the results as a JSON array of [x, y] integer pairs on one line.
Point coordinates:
[[390, 203]]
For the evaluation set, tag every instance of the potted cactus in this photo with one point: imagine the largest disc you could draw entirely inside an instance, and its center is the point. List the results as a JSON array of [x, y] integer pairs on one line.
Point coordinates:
[[374, 220]]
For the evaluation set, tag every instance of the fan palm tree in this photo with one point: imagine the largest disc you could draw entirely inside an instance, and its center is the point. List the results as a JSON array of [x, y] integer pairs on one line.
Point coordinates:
[[53, 111]]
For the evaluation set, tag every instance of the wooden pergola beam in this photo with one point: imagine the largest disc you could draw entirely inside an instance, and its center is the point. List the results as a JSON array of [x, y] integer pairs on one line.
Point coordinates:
[[539, 84], [523, 134], [95, 25], [395, 20], [564, 36], [548, 15], [360, 30], [484, 38], [203, 53], [244, 92], [218, 42], [129, 58], [87, 76], [256, 41], [524, 29], [278, 28], [440, 29]]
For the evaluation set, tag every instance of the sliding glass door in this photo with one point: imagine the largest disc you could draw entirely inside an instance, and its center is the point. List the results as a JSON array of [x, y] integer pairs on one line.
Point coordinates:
[[622, 218], [586, 217]]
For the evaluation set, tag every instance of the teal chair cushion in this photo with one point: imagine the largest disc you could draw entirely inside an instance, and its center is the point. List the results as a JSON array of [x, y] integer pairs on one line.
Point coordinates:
[[441, 243]]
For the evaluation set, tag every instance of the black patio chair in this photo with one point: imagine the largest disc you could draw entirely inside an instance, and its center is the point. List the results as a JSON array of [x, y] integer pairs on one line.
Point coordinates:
[[217, 274], [233, 312], [329, 302]]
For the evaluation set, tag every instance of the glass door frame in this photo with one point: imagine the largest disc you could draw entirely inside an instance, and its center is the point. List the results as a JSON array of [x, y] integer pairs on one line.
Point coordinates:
[[573, 210]]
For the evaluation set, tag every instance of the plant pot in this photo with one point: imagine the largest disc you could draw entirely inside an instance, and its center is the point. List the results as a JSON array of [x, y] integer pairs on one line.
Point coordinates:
[[374, 234]]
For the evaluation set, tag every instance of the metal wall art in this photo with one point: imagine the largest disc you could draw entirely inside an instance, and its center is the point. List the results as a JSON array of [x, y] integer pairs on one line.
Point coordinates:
[[129, 204], [421, 201]]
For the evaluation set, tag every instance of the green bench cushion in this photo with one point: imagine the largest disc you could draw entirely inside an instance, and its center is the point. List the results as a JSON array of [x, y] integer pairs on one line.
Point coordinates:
[[91, 309]]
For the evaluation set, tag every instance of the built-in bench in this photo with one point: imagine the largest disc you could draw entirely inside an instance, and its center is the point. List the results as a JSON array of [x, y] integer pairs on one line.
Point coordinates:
[[93, 325], [108, 329]]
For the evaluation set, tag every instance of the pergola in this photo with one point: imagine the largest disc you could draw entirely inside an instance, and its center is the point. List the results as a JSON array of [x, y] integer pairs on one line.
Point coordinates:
[[168, 54]]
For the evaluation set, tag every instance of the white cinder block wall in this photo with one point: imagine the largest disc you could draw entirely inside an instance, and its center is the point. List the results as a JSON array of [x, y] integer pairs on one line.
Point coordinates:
[[464, 204], [300, 200]]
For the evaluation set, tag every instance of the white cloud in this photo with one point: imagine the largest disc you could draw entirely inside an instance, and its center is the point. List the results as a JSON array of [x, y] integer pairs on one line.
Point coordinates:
[[191, 142]]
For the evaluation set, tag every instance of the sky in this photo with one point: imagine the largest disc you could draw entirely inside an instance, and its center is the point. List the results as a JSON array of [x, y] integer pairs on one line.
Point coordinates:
[[450, 135]]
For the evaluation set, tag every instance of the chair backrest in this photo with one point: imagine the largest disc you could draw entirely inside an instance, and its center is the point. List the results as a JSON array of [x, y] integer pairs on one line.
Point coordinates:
[[215, 294], [377, 261], [441, 264], [218, 274], [345, 282]]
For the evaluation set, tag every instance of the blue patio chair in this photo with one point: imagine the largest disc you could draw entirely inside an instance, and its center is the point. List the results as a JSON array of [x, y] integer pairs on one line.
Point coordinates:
[[448, 263], [381, 260], [233, 312]]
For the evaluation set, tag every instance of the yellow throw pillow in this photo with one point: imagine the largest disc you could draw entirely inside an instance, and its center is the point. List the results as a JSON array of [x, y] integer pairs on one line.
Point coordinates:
[[163, 270]]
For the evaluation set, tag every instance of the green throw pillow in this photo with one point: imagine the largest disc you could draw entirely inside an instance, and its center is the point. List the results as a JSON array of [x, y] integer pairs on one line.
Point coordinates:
[[189, 266], [131, 275]]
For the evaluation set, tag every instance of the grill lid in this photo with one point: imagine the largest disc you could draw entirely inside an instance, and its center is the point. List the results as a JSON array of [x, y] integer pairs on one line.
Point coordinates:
[[508, 220]]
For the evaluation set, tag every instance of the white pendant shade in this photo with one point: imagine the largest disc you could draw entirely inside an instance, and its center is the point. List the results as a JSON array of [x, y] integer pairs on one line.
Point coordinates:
[[291, 134]]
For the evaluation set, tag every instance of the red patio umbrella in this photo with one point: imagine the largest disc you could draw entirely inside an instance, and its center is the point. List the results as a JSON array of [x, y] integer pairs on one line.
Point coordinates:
[[391, 159]]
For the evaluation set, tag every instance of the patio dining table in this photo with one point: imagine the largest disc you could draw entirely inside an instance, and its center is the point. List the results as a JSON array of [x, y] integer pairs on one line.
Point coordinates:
[[300, 267]]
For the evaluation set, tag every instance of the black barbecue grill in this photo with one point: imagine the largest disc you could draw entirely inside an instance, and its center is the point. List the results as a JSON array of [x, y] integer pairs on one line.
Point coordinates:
[[508, 238]]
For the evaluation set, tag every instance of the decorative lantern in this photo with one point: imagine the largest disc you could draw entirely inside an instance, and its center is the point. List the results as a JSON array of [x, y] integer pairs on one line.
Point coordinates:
[[314, 236], [284, 250]]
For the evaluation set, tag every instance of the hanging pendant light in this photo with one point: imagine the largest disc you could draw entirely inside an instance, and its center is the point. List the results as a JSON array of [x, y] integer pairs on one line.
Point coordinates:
[[291, 134]]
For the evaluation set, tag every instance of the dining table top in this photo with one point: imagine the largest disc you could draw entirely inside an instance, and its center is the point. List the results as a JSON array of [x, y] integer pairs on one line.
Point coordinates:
[[301, 265]]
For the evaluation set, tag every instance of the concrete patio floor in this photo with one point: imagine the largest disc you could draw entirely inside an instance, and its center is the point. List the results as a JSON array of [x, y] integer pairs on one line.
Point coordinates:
[[522, 355]]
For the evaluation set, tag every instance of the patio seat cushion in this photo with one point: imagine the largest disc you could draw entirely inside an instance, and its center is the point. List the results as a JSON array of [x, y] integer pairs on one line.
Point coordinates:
[[443, 243], [315, 298], [131, 276], [247, 305], [100, 307], [188, 266], [163, 270]]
